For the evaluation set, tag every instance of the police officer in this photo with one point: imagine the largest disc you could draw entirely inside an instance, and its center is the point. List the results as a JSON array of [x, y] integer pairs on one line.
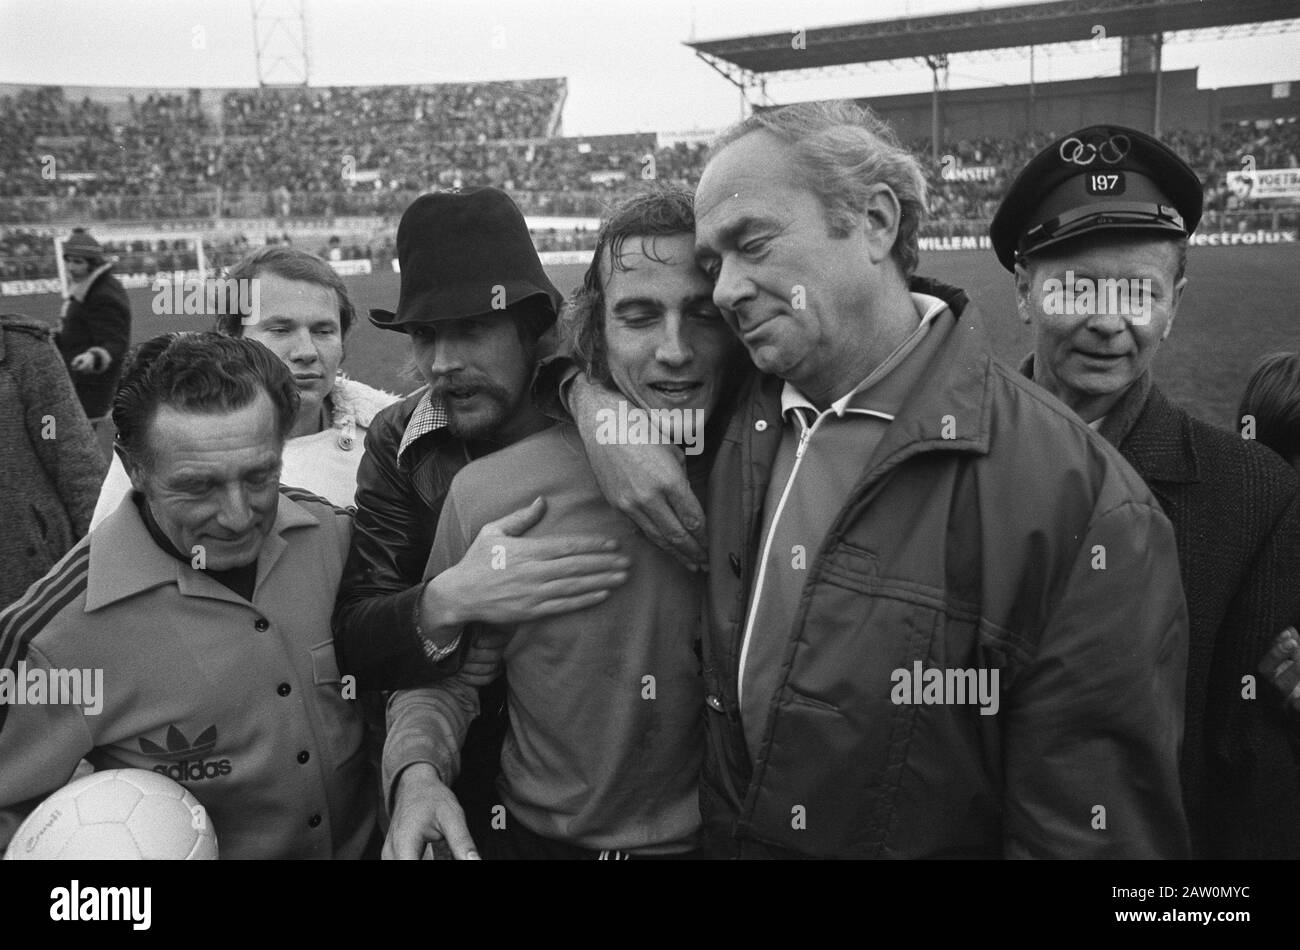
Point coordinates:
[[1095, 230]]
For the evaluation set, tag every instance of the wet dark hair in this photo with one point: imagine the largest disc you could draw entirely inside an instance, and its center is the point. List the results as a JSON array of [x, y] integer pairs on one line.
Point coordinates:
[[656, 210]]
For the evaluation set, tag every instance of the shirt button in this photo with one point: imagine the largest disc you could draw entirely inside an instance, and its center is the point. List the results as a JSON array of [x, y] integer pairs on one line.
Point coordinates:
[[760, 425], [313, 821], [714, 703], [303, 756], [284, 689], [261, 624]]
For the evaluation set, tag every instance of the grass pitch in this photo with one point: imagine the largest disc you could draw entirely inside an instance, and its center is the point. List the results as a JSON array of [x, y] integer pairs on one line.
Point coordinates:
[[1240, 304]]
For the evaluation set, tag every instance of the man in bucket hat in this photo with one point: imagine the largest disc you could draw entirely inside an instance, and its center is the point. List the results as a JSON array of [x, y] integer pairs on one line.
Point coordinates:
[[1095, 230], [476, 306]]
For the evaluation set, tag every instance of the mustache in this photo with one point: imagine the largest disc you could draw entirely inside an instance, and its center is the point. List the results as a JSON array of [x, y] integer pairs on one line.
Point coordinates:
[[441, 386]]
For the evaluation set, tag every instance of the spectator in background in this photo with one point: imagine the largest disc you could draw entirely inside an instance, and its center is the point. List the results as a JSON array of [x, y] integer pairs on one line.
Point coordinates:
[[95, 328], [304, 315], [51, 467], [1272, 400], [1272, 403]]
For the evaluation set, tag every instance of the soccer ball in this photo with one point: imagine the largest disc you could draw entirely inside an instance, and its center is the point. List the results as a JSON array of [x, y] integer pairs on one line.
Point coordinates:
[[120, 814]]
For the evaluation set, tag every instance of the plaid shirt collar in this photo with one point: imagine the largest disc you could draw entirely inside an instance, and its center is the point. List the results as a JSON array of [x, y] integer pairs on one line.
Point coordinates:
[[429, 416]]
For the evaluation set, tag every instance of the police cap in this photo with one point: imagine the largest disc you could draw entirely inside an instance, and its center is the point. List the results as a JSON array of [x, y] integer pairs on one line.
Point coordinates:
[[1104, 177]]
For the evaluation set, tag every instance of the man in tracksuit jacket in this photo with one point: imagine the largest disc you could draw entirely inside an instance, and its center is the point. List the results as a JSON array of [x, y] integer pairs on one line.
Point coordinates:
[[196, 620]]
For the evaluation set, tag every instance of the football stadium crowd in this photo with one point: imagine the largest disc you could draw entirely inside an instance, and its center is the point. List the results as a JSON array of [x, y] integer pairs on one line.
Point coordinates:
[[369, 151]]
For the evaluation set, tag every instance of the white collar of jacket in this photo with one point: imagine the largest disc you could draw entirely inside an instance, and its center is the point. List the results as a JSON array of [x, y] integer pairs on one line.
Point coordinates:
[[955, 387], [77, 291], [125, 560], [927, 308]]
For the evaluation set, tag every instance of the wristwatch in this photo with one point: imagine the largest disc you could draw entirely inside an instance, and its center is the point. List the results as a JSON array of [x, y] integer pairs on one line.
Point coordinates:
[[432, 652]]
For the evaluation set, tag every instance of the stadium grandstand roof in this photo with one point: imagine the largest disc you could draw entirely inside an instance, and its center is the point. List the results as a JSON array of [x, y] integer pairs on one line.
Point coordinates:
[[1035, 24]]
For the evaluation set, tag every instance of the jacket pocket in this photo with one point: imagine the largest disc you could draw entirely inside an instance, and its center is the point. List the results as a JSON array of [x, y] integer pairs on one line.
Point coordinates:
[[338, 711], [843, 738]]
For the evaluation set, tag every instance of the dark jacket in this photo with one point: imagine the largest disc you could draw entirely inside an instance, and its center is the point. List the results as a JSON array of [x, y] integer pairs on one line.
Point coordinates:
[[1235, 509], [398, 505], [1021, 543], [397, 509], [101, 319], [50, 466]]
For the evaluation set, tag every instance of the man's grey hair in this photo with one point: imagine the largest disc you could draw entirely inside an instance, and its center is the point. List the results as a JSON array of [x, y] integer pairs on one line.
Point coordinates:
[[842, 151]]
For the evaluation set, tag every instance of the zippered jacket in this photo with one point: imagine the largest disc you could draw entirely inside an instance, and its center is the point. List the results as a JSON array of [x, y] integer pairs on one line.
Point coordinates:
[[992, 531]]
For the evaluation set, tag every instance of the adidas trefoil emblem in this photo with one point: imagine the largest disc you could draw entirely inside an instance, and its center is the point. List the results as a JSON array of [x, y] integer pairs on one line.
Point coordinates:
[[192, 766]]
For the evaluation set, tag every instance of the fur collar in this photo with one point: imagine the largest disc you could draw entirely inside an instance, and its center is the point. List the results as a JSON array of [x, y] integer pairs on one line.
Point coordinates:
[[77, 291], [354, 404]]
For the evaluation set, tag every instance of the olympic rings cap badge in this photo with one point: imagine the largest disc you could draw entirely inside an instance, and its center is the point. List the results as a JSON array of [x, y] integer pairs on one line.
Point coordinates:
[[1103, 177], [1110, 151]]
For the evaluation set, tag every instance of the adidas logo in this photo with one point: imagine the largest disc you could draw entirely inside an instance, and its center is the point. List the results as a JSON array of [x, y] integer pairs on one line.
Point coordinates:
[[192, 766], [177, 744]]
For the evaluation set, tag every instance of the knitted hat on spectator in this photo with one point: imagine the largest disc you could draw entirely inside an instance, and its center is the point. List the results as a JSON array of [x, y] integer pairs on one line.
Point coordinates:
[[82, 244], [465, 253], [1104, 177]]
